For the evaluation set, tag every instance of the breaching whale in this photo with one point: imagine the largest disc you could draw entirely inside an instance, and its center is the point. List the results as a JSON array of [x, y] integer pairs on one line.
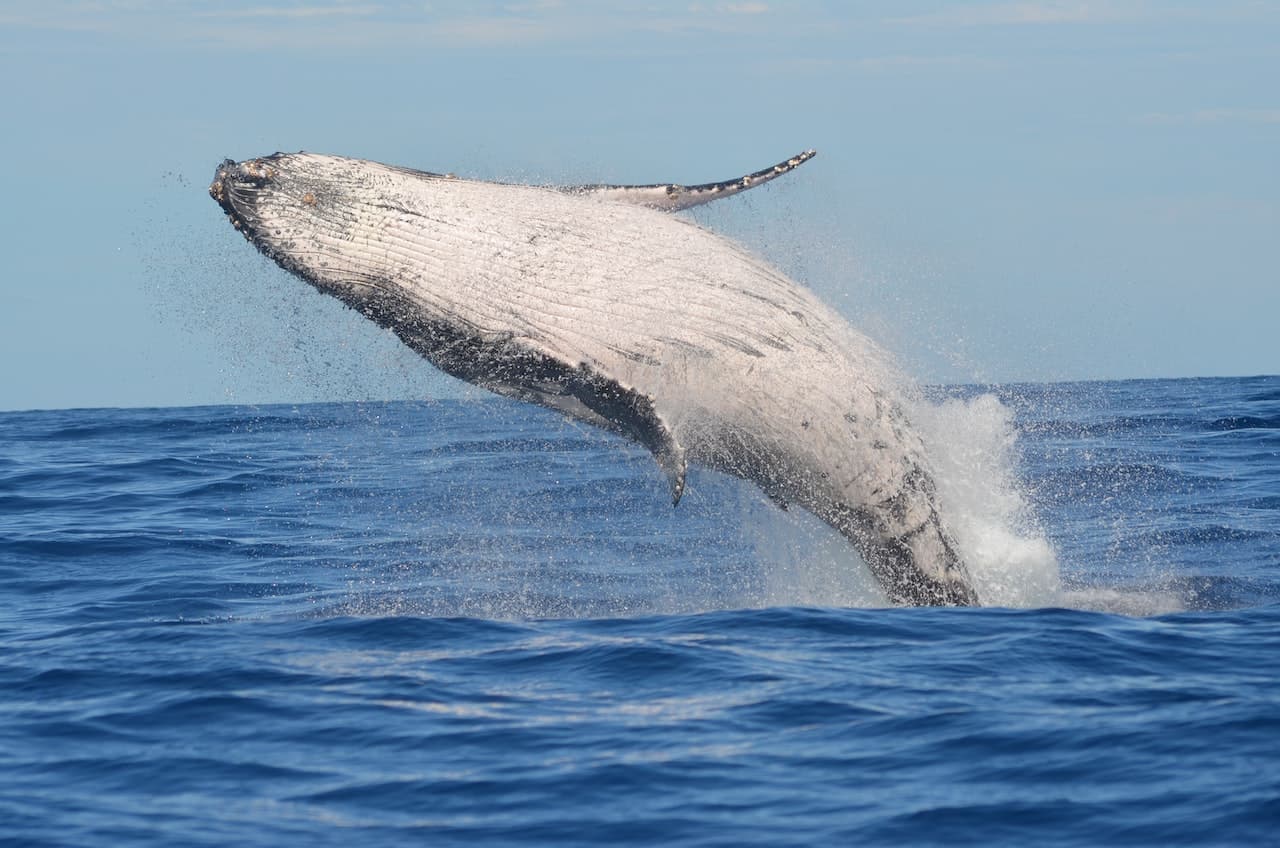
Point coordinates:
[[596, 302]]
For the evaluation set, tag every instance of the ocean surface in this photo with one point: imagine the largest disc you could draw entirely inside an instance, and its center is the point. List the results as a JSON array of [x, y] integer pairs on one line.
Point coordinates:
[[470, 622]]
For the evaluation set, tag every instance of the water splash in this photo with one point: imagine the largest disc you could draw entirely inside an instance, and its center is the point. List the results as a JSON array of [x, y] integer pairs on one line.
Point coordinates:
[[973, 444], [804, 562]]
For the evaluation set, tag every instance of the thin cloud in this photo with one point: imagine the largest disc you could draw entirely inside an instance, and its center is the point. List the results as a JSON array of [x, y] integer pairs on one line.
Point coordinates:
[[1211, 116], [729, 8], [492, 31], [905, 62], [266, 24], [293, 12], [886, 65], [533, 7], [1022, 14]]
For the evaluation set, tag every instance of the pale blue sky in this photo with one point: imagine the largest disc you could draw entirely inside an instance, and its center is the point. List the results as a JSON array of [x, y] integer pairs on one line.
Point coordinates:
[[1004, 191]]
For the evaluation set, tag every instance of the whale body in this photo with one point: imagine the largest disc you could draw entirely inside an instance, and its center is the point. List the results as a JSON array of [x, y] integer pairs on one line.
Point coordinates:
[[596, 302]]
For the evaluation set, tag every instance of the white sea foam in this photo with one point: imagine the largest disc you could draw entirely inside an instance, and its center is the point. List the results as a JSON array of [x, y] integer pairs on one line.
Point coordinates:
[[973, 445], [807, 563], [1132, 602]]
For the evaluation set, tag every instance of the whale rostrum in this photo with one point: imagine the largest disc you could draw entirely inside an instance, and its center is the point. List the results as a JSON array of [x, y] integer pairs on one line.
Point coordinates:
[[596, 302]]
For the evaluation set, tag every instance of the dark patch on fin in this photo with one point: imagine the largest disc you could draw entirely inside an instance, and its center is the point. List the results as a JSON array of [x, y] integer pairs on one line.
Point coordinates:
[[614, 407], [672, 197], [633, 415], [590, 396], [506, 366], [671, 460]]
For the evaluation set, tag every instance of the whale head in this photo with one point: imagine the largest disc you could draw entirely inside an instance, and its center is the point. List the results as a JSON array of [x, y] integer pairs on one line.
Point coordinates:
[[299, 210]]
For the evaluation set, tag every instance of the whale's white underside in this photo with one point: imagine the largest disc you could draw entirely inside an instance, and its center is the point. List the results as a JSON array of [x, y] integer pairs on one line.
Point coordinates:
[[624, 316]]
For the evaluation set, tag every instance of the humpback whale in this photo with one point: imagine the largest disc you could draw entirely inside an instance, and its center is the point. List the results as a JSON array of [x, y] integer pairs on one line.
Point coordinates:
[[596, 302]]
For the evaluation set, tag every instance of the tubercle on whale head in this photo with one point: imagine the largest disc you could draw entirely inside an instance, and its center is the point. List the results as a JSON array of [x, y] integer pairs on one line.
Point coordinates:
[[255, 192], [234, 184], [223, 189]]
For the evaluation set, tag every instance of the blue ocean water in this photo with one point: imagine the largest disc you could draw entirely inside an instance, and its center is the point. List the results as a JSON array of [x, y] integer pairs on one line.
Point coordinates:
[[471, 622]]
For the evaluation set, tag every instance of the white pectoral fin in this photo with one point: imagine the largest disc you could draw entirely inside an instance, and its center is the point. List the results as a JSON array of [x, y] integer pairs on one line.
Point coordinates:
[[672, 197]]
